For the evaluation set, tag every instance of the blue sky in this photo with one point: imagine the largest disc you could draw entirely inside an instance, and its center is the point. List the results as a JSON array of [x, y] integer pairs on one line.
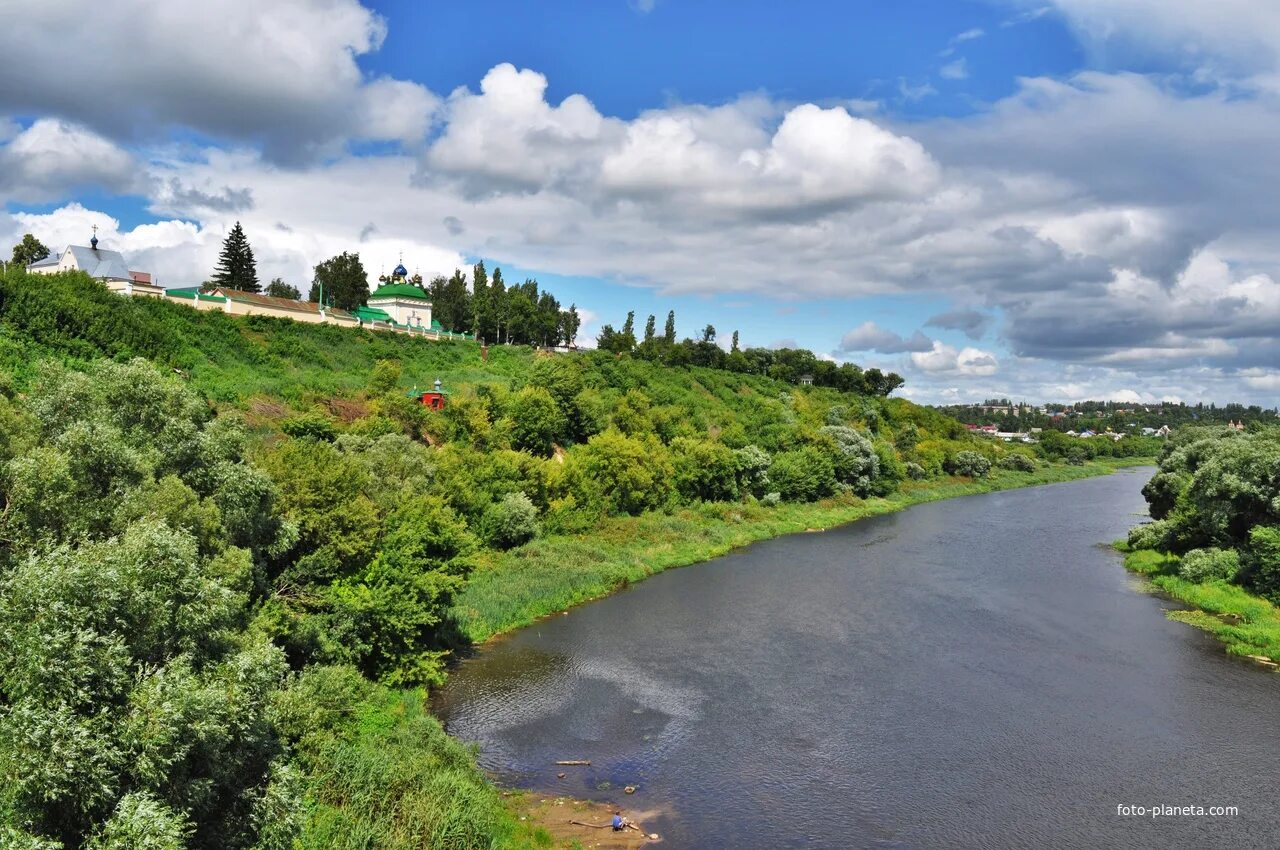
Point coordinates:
[[1048, 200]]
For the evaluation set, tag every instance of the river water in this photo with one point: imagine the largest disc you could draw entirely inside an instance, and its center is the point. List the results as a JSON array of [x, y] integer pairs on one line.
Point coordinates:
[[979, 672]]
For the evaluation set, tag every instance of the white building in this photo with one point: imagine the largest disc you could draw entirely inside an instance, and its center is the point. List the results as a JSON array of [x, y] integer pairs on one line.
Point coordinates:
[[400, 302], [106, 266]]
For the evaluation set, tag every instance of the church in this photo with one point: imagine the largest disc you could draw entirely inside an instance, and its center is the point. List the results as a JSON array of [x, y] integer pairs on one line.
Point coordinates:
[[400, 301], [101, 264]]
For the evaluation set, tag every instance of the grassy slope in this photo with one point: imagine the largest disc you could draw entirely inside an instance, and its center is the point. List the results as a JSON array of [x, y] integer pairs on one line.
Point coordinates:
[[552, 574], [1249, 625]]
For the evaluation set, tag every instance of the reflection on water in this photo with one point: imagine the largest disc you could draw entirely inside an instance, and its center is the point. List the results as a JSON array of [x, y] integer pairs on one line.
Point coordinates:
[[970, 673]]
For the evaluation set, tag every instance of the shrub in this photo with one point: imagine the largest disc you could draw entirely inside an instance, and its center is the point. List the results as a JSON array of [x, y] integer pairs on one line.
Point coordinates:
[[753, 469], [622, 474], [704, 470], [854, 459], [770, 500], [536, 421], [311, 426], [510, 522], [969, 464], [1209, 564], [916, 472], [1263, 560], [803, 475], [1151, 535], [1018, 463]]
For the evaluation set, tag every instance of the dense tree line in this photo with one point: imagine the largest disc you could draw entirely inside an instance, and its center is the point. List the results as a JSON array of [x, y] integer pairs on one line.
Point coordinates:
[[485, 306], [1101, 416], [784, 364]]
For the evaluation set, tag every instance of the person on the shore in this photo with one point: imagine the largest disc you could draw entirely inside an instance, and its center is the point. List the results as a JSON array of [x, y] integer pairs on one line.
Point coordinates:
[[619, 822]]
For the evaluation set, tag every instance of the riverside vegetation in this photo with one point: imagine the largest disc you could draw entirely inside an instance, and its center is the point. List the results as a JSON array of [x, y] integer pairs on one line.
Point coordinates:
[[1214, 539], [234, 552]]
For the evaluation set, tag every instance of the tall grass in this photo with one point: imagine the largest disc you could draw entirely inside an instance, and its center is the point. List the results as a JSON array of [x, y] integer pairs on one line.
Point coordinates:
[[1247, 624], [389, 778]]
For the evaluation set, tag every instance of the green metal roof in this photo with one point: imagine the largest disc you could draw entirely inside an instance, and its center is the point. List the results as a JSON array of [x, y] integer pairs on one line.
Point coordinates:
[[400, 290], [372, 314], [193, 292]]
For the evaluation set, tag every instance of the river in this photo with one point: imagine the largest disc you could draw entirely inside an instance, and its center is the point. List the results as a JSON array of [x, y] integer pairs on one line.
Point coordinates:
[[979, 672]]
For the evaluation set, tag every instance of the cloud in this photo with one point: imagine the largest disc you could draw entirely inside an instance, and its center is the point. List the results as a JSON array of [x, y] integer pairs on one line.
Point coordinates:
[[176, 197], [1122, 226], [871, 337], [740, 159], [54, 158], [1239, 36], [283, 74], [970, 322], [969, 35], [957, 70], [943, 358]]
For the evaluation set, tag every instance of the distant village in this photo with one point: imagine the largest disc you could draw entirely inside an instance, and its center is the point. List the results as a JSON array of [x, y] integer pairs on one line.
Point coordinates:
[[1002, 419]]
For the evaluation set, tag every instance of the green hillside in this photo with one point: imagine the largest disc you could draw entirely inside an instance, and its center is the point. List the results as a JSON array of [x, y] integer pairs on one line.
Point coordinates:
[[234, 551]]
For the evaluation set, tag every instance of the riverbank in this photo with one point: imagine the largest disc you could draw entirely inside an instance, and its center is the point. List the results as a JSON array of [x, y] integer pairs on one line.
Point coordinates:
[[550, 575], [388, 776], [1247, 624]]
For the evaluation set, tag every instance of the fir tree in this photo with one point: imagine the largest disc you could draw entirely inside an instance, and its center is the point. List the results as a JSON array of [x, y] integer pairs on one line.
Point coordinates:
[[236, 267]]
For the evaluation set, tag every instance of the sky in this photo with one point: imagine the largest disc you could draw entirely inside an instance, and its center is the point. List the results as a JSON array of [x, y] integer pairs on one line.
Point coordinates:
[[1043, 200]]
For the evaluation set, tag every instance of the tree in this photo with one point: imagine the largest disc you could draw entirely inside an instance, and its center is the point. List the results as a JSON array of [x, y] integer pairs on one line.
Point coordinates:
[[29, 250], [480, 321], [570, 321], [279, 289], [650, 330], [342, 281], [536, 421], [803, 475], [236, 267], [734, 347], [669, 332]]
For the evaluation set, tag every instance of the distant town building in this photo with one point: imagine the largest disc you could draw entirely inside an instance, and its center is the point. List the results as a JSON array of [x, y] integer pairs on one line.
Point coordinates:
[[100, 264], [806, 380]]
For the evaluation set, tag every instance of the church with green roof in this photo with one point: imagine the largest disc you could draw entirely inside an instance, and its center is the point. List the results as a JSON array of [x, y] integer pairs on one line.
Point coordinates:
[[400, 302]]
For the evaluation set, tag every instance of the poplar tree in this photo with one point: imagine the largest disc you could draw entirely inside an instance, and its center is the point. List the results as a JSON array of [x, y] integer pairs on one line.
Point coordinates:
[[669, 333], [236, 267], [734, 347], [650, 328], [480, 321]]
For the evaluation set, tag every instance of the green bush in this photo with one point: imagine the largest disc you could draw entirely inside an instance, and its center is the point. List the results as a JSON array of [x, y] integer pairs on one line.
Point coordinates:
[[311, 426], [1018, 463], [536, 421], [916, 472], [705, 470], [1209, 564], [623, 474], [853, 458], [969, 464], [511, 521], [803, 475], [1151, 535]]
